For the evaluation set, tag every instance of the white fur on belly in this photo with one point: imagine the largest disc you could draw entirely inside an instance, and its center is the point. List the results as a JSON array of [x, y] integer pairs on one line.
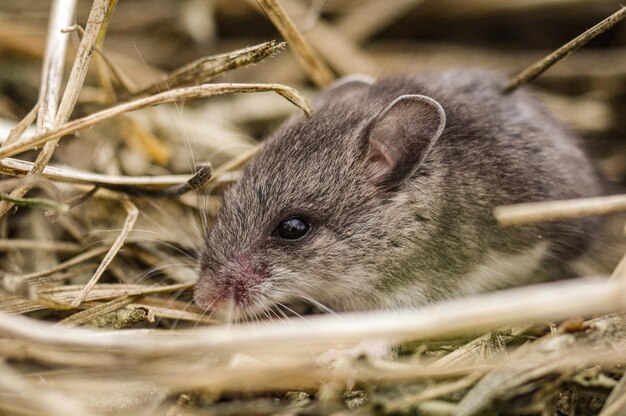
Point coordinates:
[[501, 270]]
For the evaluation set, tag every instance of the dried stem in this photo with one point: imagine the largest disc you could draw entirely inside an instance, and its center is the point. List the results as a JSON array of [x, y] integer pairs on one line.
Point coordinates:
[[470, 350], [310, 61], [403, 404], [34, 278], [338, 49], [54, 62], [96, 311], [479, 313], [48, 116], [131, 218], [202, 177], [620, 270], [41, 203], [199, 91], [536, 69], [124, 81], [21, 127], [234, 163], [615, 408], [16, 167], [205, 69], [59, 246], [553, 210], [616, 400]]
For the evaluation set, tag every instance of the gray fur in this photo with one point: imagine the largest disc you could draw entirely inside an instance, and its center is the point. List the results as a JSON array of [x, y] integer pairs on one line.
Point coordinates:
[[430, 237]]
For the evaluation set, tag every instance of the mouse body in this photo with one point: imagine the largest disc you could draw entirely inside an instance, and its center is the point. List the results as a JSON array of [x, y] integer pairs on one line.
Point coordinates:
[[384, 198]]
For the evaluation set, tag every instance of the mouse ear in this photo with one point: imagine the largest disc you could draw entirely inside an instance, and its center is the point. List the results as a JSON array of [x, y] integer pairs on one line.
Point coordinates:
[[342, 87], [401, 136]]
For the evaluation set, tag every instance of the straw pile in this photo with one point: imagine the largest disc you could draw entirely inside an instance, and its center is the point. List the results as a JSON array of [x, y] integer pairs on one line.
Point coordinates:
[[113, 156]]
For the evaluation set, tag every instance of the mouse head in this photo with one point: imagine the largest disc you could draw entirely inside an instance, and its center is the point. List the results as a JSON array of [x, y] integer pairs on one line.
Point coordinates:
[[312, 219]]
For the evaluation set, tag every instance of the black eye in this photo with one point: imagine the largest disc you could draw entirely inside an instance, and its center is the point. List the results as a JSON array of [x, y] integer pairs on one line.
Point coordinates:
[[293, 228]]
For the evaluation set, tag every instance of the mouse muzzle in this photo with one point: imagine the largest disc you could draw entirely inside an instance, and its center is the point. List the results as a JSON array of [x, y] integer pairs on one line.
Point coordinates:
[[236, 289]]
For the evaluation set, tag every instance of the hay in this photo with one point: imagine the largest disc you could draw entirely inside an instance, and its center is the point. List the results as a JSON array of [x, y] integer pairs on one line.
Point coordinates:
[[104, 201]]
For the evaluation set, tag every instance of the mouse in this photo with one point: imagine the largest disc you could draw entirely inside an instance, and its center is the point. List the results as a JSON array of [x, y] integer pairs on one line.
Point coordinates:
[[383, 198]]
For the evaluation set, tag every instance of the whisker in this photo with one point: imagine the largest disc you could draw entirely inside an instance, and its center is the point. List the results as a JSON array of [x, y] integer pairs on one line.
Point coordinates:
[[154, 270], [272, 311], [311, 301]]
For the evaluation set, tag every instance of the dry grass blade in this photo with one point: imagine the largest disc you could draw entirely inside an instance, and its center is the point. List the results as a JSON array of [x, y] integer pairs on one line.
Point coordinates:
[[16, 167], [533, 71], [59, 297], [553, 210], [202, 177], [620, 270], [616, 408], [470, 350], [21, 127], [59, 246], [561, 353], [205, 69], [37, 280], [288, 374], [54, 62], [173, 312], [131, 218], [294, 372], [406, 403], [49, 117], [95, 311], [47, 401], [127, 84], [81, 198], [103, 291], [479, 313], [234, 163], [338, 49], [315, 67], [615, 404], [200, 91], [41, 203], [39, 277]]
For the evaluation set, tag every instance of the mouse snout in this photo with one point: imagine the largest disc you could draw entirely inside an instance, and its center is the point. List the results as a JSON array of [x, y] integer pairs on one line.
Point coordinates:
[[238, 283]]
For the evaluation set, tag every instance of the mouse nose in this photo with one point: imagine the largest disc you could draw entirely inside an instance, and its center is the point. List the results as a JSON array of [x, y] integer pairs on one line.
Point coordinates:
[[239, 284], [230, 288], [240, 288]]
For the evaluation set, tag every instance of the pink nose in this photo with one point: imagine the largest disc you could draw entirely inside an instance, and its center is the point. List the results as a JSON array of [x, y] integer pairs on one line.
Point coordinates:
[[240, 288], [239, 285], [215, 294]]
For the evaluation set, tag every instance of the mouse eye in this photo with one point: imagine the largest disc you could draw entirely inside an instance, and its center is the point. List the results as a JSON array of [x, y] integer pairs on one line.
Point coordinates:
[[293, 228]]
